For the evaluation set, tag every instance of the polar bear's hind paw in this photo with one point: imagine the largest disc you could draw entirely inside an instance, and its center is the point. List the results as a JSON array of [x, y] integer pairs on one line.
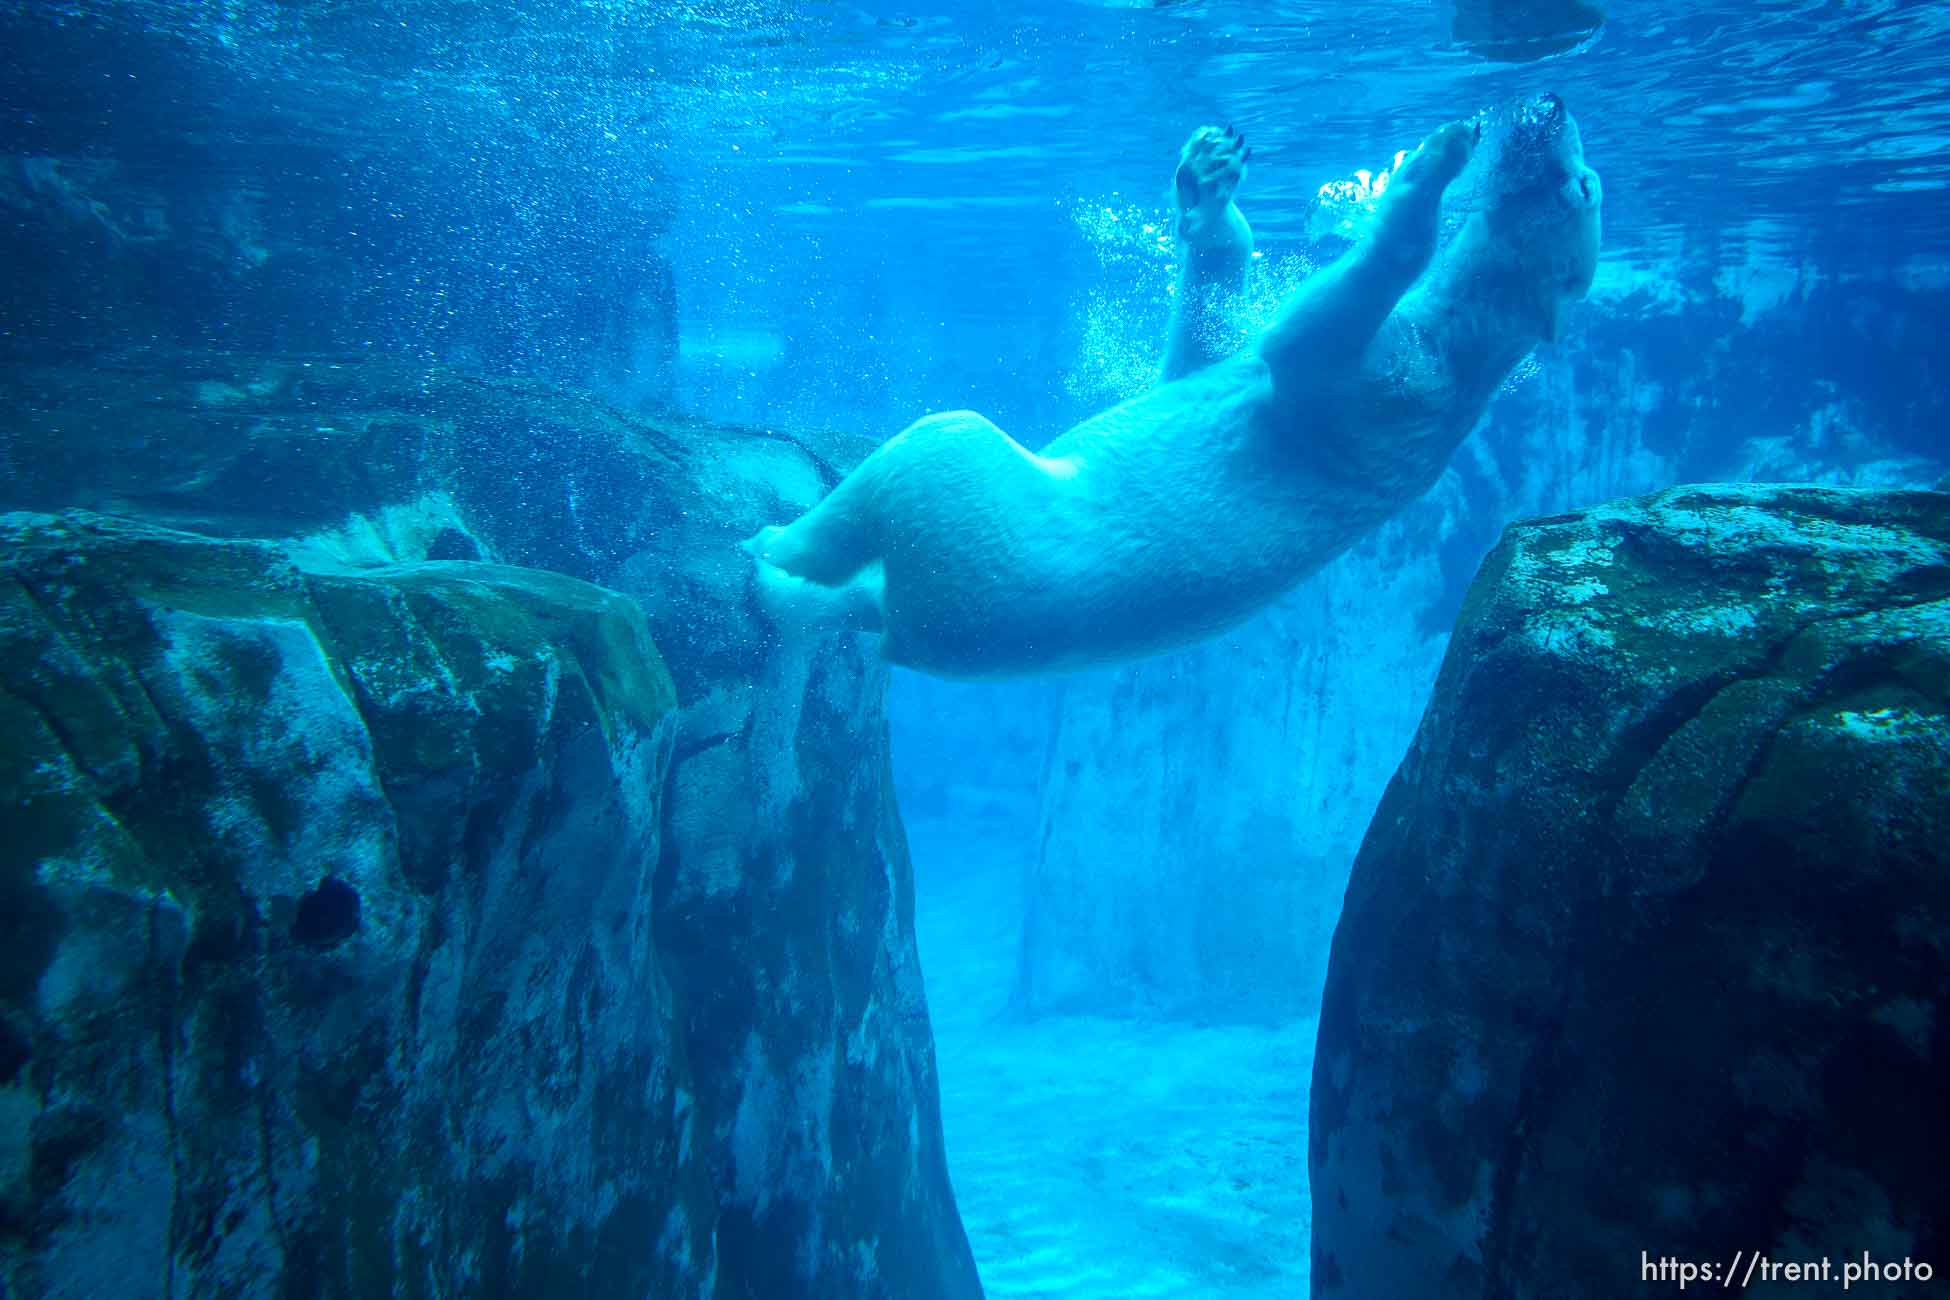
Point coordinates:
[[1210, 168], [759, 544], [801, 607]]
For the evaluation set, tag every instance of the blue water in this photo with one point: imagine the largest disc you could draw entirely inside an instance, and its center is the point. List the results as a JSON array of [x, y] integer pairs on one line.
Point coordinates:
[[871, 210], [845, 215]]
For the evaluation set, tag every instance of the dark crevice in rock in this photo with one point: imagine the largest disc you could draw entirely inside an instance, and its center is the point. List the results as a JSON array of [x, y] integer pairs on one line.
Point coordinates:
[[1687, 706], [262, 1100], [1508, 1253], [63, 734], [327, 915], [167, 1027], [31, 925], [15, 1050], [453, 544], [1852, 677], [695, 745], [829, 472], [1640, 742], [64, 1134]]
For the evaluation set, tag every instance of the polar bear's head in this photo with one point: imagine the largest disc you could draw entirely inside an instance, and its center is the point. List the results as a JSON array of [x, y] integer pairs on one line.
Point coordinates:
[[1538, 202]]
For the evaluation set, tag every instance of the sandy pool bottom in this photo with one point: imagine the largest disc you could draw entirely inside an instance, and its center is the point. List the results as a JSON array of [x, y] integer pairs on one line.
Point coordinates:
[[1100, 1157]]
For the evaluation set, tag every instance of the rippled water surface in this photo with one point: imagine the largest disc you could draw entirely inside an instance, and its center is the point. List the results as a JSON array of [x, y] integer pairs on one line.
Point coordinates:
[[1720, 126]]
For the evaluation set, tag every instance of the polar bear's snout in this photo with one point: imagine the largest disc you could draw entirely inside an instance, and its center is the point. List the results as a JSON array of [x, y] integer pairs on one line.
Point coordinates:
[[1546, 132], [1541, 200]]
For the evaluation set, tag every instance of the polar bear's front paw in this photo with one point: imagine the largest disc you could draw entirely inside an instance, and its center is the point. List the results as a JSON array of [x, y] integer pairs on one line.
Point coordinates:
[[1441, 158], [1210, 167]]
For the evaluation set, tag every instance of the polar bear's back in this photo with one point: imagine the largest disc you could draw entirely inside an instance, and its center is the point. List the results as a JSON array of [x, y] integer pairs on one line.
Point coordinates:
[[1154, 524]]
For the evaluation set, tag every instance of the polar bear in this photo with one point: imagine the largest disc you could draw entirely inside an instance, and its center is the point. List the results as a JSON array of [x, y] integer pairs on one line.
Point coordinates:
[[1181, 512]]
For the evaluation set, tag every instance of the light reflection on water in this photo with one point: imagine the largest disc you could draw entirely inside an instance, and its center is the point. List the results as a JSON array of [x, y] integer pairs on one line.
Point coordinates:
[[1727, 131]]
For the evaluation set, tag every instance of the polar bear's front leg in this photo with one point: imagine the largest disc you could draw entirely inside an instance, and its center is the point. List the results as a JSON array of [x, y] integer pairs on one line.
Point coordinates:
[[1330, 320], [1215, 245]]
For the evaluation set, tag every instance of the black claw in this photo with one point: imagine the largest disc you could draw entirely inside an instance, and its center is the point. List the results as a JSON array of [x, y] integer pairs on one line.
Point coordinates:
[[1248, 158]]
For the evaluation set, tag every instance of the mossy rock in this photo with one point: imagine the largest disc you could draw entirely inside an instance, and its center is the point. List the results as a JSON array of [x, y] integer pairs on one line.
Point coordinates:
[[1648, 945], [378, 825], [368, 461], [267, 823]]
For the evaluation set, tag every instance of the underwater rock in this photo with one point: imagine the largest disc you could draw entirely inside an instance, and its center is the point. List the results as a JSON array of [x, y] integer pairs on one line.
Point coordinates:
[[370, 460], [387, 917], [330, 928], [1645, 954]]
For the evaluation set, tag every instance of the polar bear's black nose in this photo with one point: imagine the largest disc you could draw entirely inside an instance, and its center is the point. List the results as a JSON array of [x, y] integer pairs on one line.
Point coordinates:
[[1538, 117]]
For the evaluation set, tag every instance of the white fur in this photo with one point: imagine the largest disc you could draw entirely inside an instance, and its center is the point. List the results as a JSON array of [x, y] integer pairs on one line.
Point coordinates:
[[1181, 512]]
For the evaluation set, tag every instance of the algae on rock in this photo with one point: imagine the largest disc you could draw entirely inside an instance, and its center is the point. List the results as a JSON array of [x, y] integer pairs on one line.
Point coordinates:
[[1645, 949], [389, 909]]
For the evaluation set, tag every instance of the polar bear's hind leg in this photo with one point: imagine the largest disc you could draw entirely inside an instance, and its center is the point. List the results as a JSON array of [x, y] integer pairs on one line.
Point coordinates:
[[800, 605], [830, 542], [1215, 245], [820, 573], [931, 490]]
